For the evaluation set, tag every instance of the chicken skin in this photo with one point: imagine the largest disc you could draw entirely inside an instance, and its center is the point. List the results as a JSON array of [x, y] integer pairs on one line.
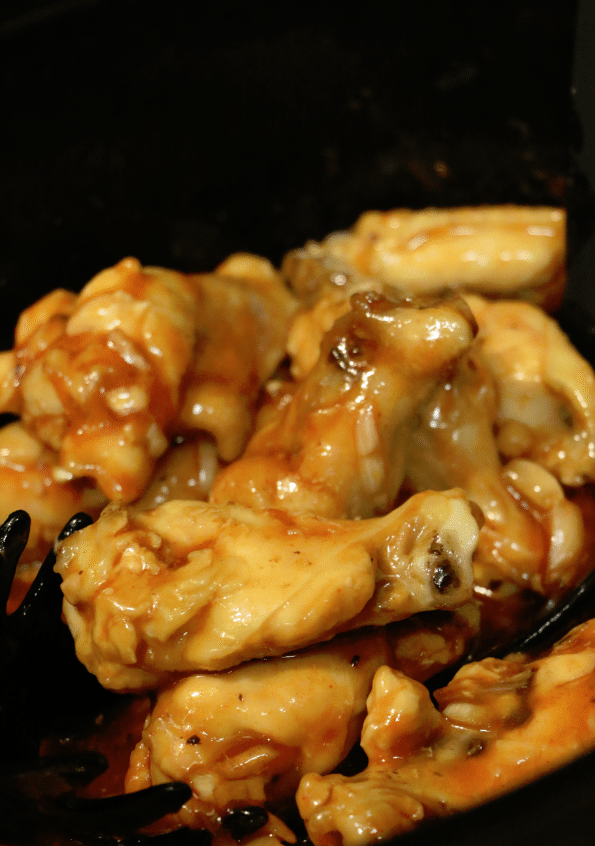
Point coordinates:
[[310, 325], [546, 389], [243, 317], [498, 251], [191, 586], [246, 736], [498, 727], [532, 534], [186, 470], [30, 476], [337, 447], [87, 381], [108, 377]]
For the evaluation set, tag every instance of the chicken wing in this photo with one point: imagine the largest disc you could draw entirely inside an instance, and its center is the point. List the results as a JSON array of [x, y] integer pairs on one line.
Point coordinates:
[[493, 250], [337, 448], [546, 389], [246, 736], [498, 727], [190, 586], [243, 320], [273, 833], [108, 377], [531, 535], [100, 382]]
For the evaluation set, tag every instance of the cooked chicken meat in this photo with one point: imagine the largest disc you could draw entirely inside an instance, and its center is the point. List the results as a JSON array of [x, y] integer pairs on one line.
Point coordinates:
[[498, 727], [427, 643], [185, 471], [99, 382], [500, 251], [546, 389], [532, 534], [108, 377], [246, 736], [191, 586], [243, 318], [30, 479], [310, 325], [337, 447]]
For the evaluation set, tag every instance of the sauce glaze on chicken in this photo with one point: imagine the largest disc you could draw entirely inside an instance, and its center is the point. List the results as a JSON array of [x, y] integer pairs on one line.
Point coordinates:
[[315, 487]]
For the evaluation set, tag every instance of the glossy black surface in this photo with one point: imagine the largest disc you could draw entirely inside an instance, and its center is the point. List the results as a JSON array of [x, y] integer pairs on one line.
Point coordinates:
[[179, 132]]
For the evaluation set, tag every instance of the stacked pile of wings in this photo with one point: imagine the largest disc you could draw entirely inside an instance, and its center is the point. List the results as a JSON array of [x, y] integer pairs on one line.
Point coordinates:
[[313, 489]]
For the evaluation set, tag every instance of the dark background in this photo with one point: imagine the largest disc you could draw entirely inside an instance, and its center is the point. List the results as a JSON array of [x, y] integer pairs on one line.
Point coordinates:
[[179, 132]]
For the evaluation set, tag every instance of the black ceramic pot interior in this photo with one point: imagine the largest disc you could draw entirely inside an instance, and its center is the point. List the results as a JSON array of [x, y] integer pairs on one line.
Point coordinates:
[[181, 132]]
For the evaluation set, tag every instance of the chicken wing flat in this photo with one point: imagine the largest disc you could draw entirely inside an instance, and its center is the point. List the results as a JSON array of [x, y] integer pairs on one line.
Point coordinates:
[[546, 389], [337, 448], [190, 586], [99, 383], [498, 727], [245, 737], [532, 534], [501, 251], [106, 378], [243, 318]]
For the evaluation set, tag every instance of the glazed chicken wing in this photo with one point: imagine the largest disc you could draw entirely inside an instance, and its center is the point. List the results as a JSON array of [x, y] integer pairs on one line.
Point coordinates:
[[190, 586], [499, 251], [546, 389], [246, 736], [425, 644], [107, 378], [532, 534], [337, 448], [100, 382], [498, 727], [243, 318]]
